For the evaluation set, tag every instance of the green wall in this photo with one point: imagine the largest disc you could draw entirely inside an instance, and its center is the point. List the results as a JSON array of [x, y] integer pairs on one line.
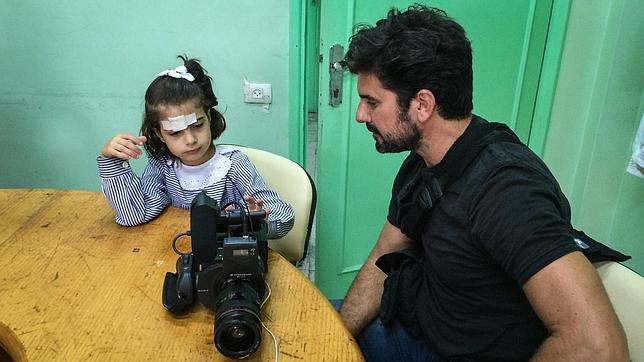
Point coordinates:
[[598, 102], [73, 74]]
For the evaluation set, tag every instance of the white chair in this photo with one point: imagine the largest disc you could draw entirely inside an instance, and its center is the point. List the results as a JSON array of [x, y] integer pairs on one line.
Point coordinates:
[[295, 186], [625, 289]]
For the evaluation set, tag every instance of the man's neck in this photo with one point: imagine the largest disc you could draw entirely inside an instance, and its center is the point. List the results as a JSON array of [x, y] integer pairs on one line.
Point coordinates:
[[438, 136]]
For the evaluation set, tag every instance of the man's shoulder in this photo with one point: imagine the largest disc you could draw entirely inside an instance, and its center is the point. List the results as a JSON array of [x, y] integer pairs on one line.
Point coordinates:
[[504, 163], [510, 156]]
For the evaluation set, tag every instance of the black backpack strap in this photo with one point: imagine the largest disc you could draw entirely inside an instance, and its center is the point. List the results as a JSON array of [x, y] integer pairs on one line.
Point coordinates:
[[422, 191], [479, 135]]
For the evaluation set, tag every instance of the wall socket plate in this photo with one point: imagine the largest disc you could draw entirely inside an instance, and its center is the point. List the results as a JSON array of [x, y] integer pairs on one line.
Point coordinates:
[[257, 92]]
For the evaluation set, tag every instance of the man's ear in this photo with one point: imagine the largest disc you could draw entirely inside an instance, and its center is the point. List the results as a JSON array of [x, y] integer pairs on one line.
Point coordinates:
[[424, 105]]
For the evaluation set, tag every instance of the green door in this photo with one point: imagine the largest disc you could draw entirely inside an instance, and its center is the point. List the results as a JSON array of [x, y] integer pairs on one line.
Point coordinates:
[[354, 181]]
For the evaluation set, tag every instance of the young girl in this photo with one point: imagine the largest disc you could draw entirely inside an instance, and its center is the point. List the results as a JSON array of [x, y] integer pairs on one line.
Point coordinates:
[[178, 130]]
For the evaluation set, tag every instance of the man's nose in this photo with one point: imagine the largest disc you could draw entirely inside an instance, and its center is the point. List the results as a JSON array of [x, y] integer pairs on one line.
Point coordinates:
[[362, 116]]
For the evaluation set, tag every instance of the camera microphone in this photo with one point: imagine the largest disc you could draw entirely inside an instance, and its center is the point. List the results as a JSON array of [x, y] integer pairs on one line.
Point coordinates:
[[204, 211]]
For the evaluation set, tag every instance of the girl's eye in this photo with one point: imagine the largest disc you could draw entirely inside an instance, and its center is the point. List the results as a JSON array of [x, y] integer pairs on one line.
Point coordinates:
[[197, 125]]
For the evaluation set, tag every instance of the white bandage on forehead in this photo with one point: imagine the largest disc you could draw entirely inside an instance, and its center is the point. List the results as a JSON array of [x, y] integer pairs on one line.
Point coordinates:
[[179, 123]]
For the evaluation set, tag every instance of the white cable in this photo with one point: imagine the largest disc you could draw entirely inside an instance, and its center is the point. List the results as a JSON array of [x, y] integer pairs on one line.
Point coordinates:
[[277, 348], [268, 295]]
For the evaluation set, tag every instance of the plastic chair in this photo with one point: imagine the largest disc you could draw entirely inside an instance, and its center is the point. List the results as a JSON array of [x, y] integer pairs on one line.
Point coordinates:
[[625, 289], [295, 186]]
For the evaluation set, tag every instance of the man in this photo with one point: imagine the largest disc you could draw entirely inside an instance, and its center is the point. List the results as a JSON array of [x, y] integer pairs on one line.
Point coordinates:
[[498, 275]]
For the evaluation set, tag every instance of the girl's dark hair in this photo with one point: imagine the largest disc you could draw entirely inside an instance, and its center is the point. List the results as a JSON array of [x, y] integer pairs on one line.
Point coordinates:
[[168, 91], [419, 48]]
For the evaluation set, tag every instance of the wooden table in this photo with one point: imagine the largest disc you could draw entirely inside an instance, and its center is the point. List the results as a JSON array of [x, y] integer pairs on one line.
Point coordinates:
[[76, 286]]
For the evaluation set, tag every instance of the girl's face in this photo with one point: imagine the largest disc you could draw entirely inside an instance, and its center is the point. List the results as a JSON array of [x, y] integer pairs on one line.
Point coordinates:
[[193, 145]]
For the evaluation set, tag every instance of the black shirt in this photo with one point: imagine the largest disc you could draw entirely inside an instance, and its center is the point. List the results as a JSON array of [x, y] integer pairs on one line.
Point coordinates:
[[500, 223]]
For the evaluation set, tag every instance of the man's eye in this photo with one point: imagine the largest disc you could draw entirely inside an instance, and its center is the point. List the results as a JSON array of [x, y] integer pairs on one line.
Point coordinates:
[[197, 125]]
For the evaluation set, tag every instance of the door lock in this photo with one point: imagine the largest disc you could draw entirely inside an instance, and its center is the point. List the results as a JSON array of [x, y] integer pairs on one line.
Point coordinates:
[[336, 71]]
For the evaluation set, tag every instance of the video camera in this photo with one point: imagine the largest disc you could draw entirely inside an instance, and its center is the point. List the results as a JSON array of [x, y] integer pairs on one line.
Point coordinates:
[[225, 271]]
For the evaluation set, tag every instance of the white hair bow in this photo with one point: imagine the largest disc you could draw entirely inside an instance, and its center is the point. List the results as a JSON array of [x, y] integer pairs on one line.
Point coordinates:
[[178, 72]]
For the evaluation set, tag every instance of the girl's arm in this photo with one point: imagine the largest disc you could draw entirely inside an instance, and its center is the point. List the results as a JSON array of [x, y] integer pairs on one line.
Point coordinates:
[[136, 200], [250, 183]]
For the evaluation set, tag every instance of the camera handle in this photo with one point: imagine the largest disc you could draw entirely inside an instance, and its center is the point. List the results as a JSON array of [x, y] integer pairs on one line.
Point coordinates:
[[178, 288]]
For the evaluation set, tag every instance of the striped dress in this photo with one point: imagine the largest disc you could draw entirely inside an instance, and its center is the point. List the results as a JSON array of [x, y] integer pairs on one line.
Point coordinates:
[[137, 200]]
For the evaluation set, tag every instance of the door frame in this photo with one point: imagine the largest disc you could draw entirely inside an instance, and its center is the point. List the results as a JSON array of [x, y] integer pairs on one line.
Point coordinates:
[[549, 75]]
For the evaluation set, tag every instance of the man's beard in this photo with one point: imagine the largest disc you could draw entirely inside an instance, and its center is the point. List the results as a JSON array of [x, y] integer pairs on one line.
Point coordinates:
[[404, 138]]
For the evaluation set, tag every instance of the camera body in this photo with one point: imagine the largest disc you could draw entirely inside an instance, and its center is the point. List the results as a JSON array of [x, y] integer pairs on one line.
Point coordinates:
[[225, 272]]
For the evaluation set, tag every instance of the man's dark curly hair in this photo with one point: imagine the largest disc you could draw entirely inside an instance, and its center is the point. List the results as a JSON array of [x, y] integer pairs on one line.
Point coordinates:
[[419, 48], [168, 91]]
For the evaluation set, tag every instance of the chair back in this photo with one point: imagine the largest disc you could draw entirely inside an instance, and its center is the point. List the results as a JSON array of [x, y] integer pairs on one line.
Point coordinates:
[[295, 186], [625, 289]]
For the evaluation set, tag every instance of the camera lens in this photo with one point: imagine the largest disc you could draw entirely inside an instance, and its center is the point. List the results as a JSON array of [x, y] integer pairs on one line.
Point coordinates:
[[238, 339], [237, 324]]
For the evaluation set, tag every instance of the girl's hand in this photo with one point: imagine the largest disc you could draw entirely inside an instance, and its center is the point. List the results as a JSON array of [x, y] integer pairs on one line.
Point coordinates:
[[124, 146], [256, 204]]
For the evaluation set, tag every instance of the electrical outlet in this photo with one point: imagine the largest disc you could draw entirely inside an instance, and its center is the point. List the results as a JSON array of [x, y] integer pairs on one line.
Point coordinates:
[[257, 92]]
